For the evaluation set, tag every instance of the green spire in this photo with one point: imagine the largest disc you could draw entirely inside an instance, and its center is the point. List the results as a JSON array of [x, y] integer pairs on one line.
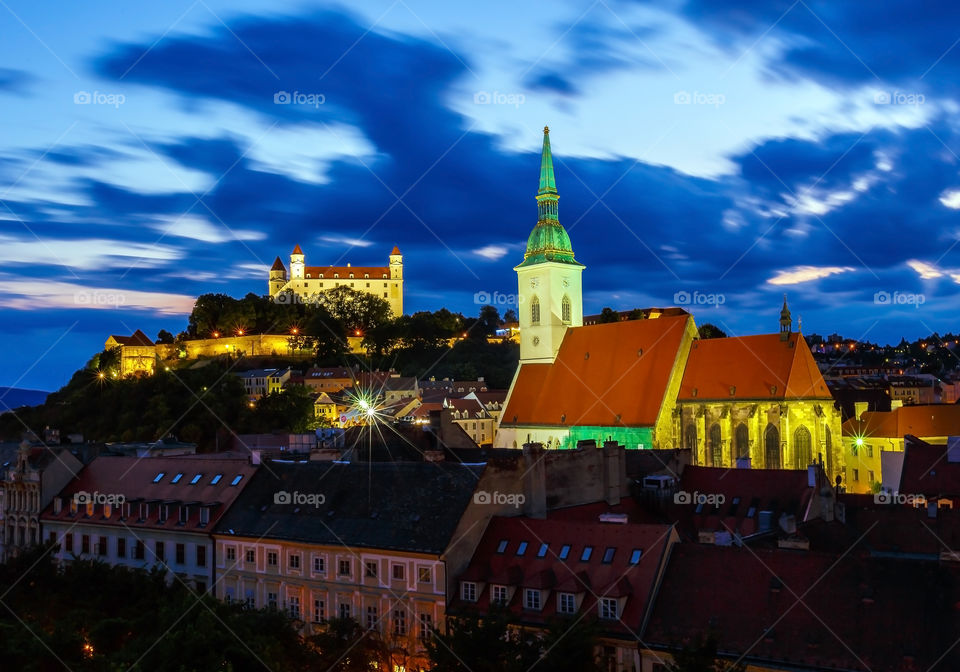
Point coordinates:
[[548, 241]]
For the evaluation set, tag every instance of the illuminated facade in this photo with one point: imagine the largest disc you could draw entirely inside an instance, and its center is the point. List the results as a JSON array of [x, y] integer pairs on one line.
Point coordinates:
[[306, 282]]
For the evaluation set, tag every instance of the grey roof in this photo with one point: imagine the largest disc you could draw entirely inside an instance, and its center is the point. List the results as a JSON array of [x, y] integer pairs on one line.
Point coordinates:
[[408, 506]]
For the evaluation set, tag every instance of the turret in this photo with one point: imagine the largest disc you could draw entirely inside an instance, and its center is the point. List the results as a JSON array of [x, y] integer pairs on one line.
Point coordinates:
[[278, 277], [296, 264], [786, 322], [396, 264]]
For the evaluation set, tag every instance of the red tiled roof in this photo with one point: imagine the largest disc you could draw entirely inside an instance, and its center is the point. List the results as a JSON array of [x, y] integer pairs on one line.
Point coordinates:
[[604, 374], [592, 578], [137, 338], [278, 265], [297, 250], [395, 250], [919, 420], [752, 367], [928, 471], [133, 478], [806, 610], [471, 406], [343, 272]]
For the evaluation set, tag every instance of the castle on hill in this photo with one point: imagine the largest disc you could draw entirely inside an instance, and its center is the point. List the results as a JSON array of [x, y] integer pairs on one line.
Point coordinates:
[[653, 382], [306, 282]]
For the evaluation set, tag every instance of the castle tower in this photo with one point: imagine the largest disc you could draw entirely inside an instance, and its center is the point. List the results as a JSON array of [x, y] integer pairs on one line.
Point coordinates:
[[550, 291], [786, 322], [396, 281], [296, 264], [278, 277]]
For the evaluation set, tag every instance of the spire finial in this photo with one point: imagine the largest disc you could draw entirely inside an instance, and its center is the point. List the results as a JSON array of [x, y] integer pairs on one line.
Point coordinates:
[[546, 130], [786, 322], [547, 194]]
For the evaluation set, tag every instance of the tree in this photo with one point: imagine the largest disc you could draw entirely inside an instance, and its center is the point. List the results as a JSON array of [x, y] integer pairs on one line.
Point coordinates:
[[711, 331], [487, 323], [609, 315], [635, 314], [165, 337], [510, 315], [345, 646], [328, 334], [357, 311]]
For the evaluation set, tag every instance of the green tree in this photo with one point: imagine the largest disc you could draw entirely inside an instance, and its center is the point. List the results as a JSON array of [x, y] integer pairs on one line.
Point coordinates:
[[711, 331], [357, 311], [164, 336], [608, 315], [346, 646]]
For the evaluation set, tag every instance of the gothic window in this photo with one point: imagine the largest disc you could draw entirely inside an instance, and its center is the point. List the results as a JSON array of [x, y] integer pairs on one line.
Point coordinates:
[[690, 439], [771, 443], [742, 441], [566, 309], [801, 447], [829, 450], [716, 448], [535, 311]]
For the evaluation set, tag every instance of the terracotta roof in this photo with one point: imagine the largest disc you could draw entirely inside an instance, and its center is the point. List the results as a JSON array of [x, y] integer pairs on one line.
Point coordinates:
[[918, 420], [137, 338], [134, 477], [395, 250], [929, 470], [471, 406], [604, 374], [297, 250], [752, 367], [343, 272], [593, 578], [786, 609], [278, 265]]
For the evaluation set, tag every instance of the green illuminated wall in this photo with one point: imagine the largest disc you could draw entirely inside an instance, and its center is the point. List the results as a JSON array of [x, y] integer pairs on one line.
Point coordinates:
[[629, 437]]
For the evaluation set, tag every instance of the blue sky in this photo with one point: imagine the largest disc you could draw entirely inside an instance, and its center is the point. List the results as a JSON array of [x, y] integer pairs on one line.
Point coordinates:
[[728, 151]]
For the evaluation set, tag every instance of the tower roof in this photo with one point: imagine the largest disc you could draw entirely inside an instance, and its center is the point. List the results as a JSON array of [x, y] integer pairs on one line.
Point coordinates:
[[785, 312], [549, 240], [297, 250], [396, 250], [277, 265]]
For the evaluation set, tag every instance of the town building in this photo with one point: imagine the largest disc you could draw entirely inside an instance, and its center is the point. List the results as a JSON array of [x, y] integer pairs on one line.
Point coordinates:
[[147, 512], [261, 382], [30, 477], [306, 282], [137, 353]]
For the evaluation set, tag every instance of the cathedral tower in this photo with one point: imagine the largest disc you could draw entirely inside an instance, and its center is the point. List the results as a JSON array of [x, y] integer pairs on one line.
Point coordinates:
[[786, 322], [296, 264], [550, 294]]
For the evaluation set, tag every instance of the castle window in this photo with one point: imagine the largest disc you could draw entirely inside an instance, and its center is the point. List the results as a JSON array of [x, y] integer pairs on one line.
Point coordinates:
[[535, 311], [351, 275], [368, 285], [336, 275], [716, 446], [367, 275], [801, 447], [771, 444], [742, 441], [566, 309]]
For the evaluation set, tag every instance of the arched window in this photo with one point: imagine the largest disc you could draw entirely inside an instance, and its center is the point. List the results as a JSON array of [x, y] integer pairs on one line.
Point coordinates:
[[535, 311], [716, 447], [741, 441], [566, 309], [690, 440], [771, 444], [802, 455], [828, 448]]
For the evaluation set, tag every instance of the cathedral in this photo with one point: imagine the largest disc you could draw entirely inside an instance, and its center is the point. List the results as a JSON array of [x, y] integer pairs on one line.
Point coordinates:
[[756, 401], [306, 282]]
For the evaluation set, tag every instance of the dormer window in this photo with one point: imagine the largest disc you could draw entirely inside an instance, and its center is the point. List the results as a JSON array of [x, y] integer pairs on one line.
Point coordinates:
[[204, 516], [531, 599]]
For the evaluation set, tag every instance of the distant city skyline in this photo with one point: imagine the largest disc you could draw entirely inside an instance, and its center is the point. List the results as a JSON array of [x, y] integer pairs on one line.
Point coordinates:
[[708, 155]]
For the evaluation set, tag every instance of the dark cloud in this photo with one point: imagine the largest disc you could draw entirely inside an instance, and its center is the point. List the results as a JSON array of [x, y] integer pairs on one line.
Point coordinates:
[[15, 81]]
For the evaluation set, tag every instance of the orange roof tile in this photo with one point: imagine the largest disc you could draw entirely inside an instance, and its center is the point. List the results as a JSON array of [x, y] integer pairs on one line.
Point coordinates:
[[277, 265], [327, 272], [752, 367], [921, 420], [396, 250], [297, 250], [604, 374], [138, 338]]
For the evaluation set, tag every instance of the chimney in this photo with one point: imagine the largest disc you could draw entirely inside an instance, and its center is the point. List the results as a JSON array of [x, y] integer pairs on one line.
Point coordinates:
[[612, 471], [255, 457], [535, 480]]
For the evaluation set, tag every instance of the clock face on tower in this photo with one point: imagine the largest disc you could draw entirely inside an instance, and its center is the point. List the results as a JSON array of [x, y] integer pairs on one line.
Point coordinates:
[[565, 282]]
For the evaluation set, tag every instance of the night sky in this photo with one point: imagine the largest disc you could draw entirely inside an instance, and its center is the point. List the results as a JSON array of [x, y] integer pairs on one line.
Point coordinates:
[[728, 150]]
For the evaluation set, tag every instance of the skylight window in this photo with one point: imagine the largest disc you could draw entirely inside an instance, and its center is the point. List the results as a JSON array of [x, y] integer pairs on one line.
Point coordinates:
[[176, 479], [196, 479], [564, 551], [608, 555], [216, 479], [502, 546], [158, 477], [543, 549], [635, 556], [236, 479], [522, 548], [587, 552]]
